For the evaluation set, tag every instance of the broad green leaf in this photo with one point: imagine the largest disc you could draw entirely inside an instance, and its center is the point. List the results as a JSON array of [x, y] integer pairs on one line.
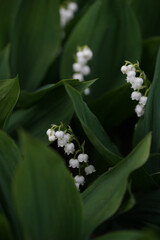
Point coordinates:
[[112, 42], [5, 232], [93, 128], [9, 158], [113, 101], [151, 119], [129, 235], [104, 196], [147, 12], [47, 201], [38, 110], [6, 11], [4, 63], [149, 56], [9, 93], [35, 41]]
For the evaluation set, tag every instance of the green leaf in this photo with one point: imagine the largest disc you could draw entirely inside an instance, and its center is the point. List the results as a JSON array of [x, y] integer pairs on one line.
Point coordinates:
[[93, 128], [9, 158], [149, 56], [9, 93], [113, 42], [4, 63], [6, 13], [35, 41], [151, 119], [5, 232], [104, 196], [38, 110], [147, 12], [129, 235], [47, 201], [113, 101]]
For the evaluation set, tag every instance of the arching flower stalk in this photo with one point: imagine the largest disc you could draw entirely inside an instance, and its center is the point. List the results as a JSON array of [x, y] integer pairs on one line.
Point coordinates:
[[139, 83], [66, 138]]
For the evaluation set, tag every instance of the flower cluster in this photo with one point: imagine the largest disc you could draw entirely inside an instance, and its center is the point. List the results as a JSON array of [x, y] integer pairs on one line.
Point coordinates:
[[139, 83], [80, 67], [67, 12], [66, 138]]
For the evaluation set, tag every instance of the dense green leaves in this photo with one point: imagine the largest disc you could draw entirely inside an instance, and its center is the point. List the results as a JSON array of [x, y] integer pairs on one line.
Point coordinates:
[[104, 196], [113, 42], [9, 158], [47, 201], [38, 110], [93, 128], [35, 41], [151, 119], [9, 93]]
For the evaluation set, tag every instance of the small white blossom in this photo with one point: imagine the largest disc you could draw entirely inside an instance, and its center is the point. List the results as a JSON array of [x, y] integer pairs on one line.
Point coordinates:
[[69, 14], [87, 53], [59, 134], [48, 132], [77, 67], [52, 138], [85, 70], [67, 137], [143, 100], [80, 180], [78, 76], [89, 169], [124, 69], [72, 6], [61, 142], [83, 157], [131, 74], [73, 163], [136, 95], [139, 110], [137, 83], [69, 148], [80, 58], [130, 67], [87, 91], [130, 80]]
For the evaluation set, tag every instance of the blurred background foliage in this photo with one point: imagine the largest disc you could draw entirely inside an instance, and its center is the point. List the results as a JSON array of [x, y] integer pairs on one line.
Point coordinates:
[[36, 90]]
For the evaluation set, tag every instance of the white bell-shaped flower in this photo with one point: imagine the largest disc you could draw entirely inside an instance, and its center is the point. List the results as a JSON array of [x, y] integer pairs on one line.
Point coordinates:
[[59, 134], [61, 142], [124, 69], [89, 169], [137, 83], [139, 110], [143, 100], [78, 76], [72, 6], [73, 163], [87, 53], [136, 95], [83, 157], [77, 67], [69, 148], [79, 179], [85, 70], [87, 91], [67, 137]]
